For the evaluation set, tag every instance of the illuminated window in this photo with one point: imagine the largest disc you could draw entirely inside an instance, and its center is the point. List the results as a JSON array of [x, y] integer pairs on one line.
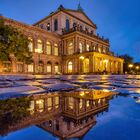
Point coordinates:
[[49, 103], [30, 45], [48, 48], [70, 48], [30, 68], [56, 68], [40, 46], [49, 67], [80, 47], [70, 67], [71, 102], [87, 47], [56, 49]]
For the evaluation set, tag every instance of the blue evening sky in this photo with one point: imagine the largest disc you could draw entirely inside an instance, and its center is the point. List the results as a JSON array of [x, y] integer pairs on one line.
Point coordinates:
[[118, 20]]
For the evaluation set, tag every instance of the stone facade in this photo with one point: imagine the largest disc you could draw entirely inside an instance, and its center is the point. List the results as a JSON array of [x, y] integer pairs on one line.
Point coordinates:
[[65, 42]]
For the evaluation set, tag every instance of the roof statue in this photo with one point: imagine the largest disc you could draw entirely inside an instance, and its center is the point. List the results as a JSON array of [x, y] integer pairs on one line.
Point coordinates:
[[79, 8]]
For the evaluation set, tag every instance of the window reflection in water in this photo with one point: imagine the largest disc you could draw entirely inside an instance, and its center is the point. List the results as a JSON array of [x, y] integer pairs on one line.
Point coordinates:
[[71, 102], [40, 105], [58, 113], [49, 101]]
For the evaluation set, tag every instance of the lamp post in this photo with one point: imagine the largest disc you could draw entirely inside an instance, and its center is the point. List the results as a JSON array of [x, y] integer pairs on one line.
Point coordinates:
[[137, 68], [39, 51], [130, 66]]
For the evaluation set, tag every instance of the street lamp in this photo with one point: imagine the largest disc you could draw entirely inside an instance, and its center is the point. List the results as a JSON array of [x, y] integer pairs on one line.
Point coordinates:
[[39, 51], [130, 66]]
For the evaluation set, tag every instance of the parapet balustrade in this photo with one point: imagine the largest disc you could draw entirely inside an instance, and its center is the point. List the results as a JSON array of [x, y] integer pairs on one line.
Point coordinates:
[[77, 28]]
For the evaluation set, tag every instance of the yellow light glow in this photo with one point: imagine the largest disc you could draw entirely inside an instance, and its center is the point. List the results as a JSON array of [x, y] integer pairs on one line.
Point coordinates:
[[105, 61], [82, 94], [38, 102], [130, 65], [38, 50], [105, 90], [137, 67], [82, 57]]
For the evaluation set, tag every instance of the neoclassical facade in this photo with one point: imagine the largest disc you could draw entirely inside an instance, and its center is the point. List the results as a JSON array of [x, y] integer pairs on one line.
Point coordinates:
[[65, 42]]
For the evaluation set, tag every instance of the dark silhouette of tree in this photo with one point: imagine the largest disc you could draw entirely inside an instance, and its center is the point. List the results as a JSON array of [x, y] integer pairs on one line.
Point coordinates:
[[127, 60]]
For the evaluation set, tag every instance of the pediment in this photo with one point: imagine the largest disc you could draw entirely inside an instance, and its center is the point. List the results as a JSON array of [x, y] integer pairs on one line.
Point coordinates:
[[81, 15]]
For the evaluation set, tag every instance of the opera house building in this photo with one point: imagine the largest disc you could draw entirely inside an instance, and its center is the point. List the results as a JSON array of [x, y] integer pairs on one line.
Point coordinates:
[[65, 42]]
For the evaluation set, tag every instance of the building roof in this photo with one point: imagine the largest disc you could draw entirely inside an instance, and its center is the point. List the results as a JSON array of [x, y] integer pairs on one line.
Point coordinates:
[[74, 13]]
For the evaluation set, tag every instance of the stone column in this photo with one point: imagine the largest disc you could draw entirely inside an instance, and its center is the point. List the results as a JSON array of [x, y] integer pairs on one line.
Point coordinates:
[[91, 64], [93, 57], [121, 67]]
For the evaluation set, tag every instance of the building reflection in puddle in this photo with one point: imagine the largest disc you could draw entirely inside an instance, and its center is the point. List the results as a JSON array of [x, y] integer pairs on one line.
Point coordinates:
[[65, 114]]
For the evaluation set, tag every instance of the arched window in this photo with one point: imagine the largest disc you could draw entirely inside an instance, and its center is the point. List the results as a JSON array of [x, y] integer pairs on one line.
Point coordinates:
[[56, 49], [87, 47], [80, 47], [70, 67], [55, 25], [48, 48], [70, 48], [39, 46], [30, 45], [67, 24], [49, 67]]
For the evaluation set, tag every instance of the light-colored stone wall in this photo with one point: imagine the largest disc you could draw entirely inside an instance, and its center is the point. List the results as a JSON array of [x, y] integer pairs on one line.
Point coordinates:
[[61, 16]]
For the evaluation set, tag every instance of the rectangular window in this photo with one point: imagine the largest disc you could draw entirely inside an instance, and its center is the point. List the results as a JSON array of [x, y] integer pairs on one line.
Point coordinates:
[[48, 48], [49, 69], [30, 68], [56, 69], [56, 49]]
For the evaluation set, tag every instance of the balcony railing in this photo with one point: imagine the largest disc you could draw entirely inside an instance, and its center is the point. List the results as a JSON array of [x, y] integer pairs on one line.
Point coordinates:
[[77, 28]]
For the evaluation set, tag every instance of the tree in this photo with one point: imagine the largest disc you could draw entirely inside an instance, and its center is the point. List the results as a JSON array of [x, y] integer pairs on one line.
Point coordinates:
[[127, 61], [13, 42]]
